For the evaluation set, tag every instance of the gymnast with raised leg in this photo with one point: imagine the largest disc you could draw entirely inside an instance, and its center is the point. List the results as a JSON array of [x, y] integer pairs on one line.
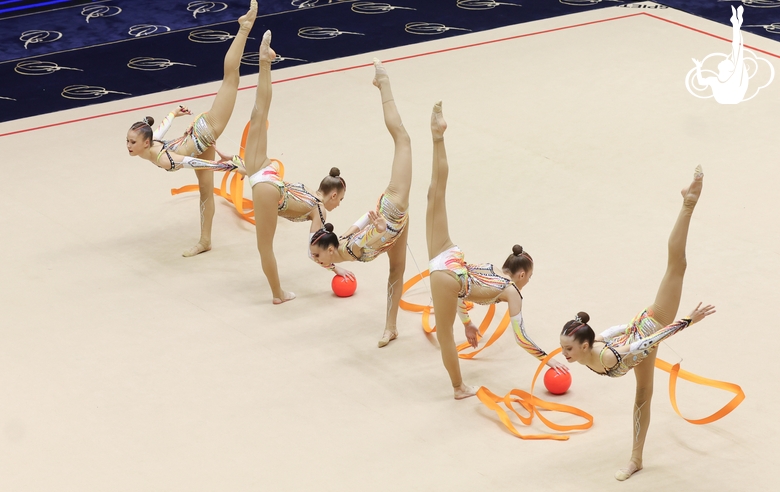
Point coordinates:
[[633, 346], [382, 230], [453, 281], [195, 149], [273, 197]]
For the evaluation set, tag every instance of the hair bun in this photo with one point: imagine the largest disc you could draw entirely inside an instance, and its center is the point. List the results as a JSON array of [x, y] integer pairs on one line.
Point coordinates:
[[583, 316], [517, 250], [334, 171], [148, 120], [328, 227]]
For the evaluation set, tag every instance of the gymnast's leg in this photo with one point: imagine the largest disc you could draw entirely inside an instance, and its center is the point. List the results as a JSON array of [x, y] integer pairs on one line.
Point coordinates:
[[395, 283], [664, 310], [398, 193], [222, 107], [206, 189], [444, 286], [265, 196], [401, 175]]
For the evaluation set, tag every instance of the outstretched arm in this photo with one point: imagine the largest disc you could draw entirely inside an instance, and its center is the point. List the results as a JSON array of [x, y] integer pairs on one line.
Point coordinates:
[[522, 338], [177, 162], [696, 315]]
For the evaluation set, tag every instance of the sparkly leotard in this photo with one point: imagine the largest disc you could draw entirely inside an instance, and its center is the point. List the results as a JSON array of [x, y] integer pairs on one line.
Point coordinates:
[[452, 260], [482, 275], [396, 223], [199, 133], [288, 192], [643, 335]]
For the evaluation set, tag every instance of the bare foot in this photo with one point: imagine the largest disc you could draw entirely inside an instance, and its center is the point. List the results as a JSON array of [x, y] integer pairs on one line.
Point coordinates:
[[692, 193], [387, 337], [199, 248], [464, 391], [625, 473], [248, 19], [288, 296], [438, 125], [380, 74], [266, 53]]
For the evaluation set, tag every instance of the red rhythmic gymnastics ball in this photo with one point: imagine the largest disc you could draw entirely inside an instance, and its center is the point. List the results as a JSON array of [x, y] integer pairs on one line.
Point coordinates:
[[343, 286], [555, 383]]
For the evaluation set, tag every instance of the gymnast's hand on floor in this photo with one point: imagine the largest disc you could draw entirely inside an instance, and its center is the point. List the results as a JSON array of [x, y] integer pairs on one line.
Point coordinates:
[[472, 334], [700, 313], [343, 272], [559, 368]]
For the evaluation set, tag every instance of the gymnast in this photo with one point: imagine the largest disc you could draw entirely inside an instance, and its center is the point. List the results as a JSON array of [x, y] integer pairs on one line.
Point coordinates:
[[273, 197], [453, 281], [381, 230], [195, 149], [633, 346]]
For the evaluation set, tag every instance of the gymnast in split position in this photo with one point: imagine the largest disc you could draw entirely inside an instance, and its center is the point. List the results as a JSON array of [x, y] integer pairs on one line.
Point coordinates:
[[195, 149], [633, 346], [273, 197], [453, 281], [382, 230]]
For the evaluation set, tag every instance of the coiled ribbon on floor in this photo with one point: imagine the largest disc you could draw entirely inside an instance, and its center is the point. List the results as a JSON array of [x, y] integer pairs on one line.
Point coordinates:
[[532, 403], [234, 191]]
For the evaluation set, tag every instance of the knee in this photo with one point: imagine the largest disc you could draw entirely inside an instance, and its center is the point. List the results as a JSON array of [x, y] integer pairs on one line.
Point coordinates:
[[644, 393], [397, 269], [206, 191], [400, 135]]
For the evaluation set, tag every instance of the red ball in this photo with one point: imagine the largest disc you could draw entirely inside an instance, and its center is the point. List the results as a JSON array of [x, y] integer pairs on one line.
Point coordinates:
[[555, 383], [343, 286]]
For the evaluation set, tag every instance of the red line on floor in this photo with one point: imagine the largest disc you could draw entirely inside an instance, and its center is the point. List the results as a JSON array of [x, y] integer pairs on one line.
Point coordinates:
[[344, 69]]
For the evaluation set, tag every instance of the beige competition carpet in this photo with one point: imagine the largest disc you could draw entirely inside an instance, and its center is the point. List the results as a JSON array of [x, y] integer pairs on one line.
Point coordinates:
[[126, 367]]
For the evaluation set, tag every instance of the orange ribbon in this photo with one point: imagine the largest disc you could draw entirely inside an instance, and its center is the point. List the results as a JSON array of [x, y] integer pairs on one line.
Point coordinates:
[[532, 404], [675, 372], [234, 192]]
